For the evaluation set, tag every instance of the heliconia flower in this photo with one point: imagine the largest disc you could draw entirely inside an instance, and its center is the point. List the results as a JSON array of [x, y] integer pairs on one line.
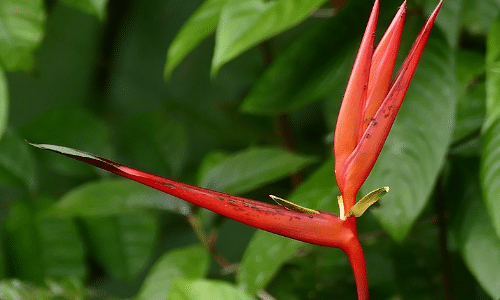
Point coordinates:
[[371, 102], [368, 110]]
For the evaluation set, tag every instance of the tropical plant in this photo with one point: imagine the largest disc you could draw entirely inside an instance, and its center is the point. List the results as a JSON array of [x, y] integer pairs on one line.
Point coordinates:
[[117, 221]]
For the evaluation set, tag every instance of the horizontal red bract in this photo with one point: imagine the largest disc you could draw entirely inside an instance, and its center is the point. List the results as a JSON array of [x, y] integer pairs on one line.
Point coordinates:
[[325, 229]]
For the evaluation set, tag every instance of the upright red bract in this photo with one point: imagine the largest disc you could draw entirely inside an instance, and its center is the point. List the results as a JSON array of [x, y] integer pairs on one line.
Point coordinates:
[[367, 113], [371, 102]]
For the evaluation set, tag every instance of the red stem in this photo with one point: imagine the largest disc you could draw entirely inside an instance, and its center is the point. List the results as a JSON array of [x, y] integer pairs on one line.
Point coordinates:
[[357, 258]]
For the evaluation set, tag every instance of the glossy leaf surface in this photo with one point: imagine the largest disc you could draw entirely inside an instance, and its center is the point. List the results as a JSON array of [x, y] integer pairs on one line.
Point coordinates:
[[189, 262], [478, 242], [490, 159], [21, 32], [200, 25], [94, 7], [250, 169], [472, 93], [243, 24], [114, 197], [4, 102], [311, 67], [203, 289], [415, 149], [490, 172]]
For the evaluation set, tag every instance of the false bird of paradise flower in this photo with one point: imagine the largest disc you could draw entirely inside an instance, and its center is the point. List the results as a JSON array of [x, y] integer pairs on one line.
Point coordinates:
[[369, 108]]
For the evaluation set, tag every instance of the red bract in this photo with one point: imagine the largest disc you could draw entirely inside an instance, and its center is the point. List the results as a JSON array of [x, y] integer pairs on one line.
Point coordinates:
[[367, 113], [371, 102]]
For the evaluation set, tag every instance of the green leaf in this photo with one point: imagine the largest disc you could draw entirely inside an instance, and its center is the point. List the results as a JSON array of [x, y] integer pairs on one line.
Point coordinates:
[[250, 169], [245, 23], [112, 197], [478, 243], [4, 103], [493, 75], [490, 159], [72, 127], [189, 262], [203, 289], [449, 20], [21, 31], [43, 247], [14, 289], [200, 25], [490, 172], [17, 166], [416, 147], [470, 65], [122, 244], [267, 252], [93, 7], [472, 94], [479, 15], [314, 66]]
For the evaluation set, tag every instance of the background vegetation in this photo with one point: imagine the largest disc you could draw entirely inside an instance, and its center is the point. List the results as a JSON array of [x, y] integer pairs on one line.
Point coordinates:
[[251, 97]]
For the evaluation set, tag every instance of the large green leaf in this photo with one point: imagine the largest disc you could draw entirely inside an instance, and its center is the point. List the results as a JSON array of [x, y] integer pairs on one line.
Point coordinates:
[[201, 24], [312, 67], [245, 23], [40, 247], [113, 197], [72, 127], [22, 25], [4, 103], [479, 15], [17, 166], [250, 169], [189, 262], [472, 94], [14, 289], [94, 7], [267, 252], [122, 244], [493, 75], [416, 147], [490, 172], [478, 242], [450, 17], [490, 159], [203, 289]]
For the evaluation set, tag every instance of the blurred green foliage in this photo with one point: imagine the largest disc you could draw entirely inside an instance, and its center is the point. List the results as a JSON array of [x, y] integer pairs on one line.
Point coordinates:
[[90, 75]]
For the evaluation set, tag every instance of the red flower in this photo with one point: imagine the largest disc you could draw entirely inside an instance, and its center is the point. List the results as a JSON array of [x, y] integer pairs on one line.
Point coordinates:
[[368, 110], [371, 102]]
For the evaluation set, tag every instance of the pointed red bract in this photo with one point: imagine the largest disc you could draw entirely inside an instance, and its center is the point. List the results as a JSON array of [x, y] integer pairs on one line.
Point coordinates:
[[362, 160], [324, 229], [353, 171], [349, 119], [382, 66]]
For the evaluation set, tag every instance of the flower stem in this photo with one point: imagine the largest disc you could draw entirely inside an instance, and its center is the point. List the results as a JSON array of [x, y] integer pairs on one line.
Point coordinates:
[[357, 258]]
